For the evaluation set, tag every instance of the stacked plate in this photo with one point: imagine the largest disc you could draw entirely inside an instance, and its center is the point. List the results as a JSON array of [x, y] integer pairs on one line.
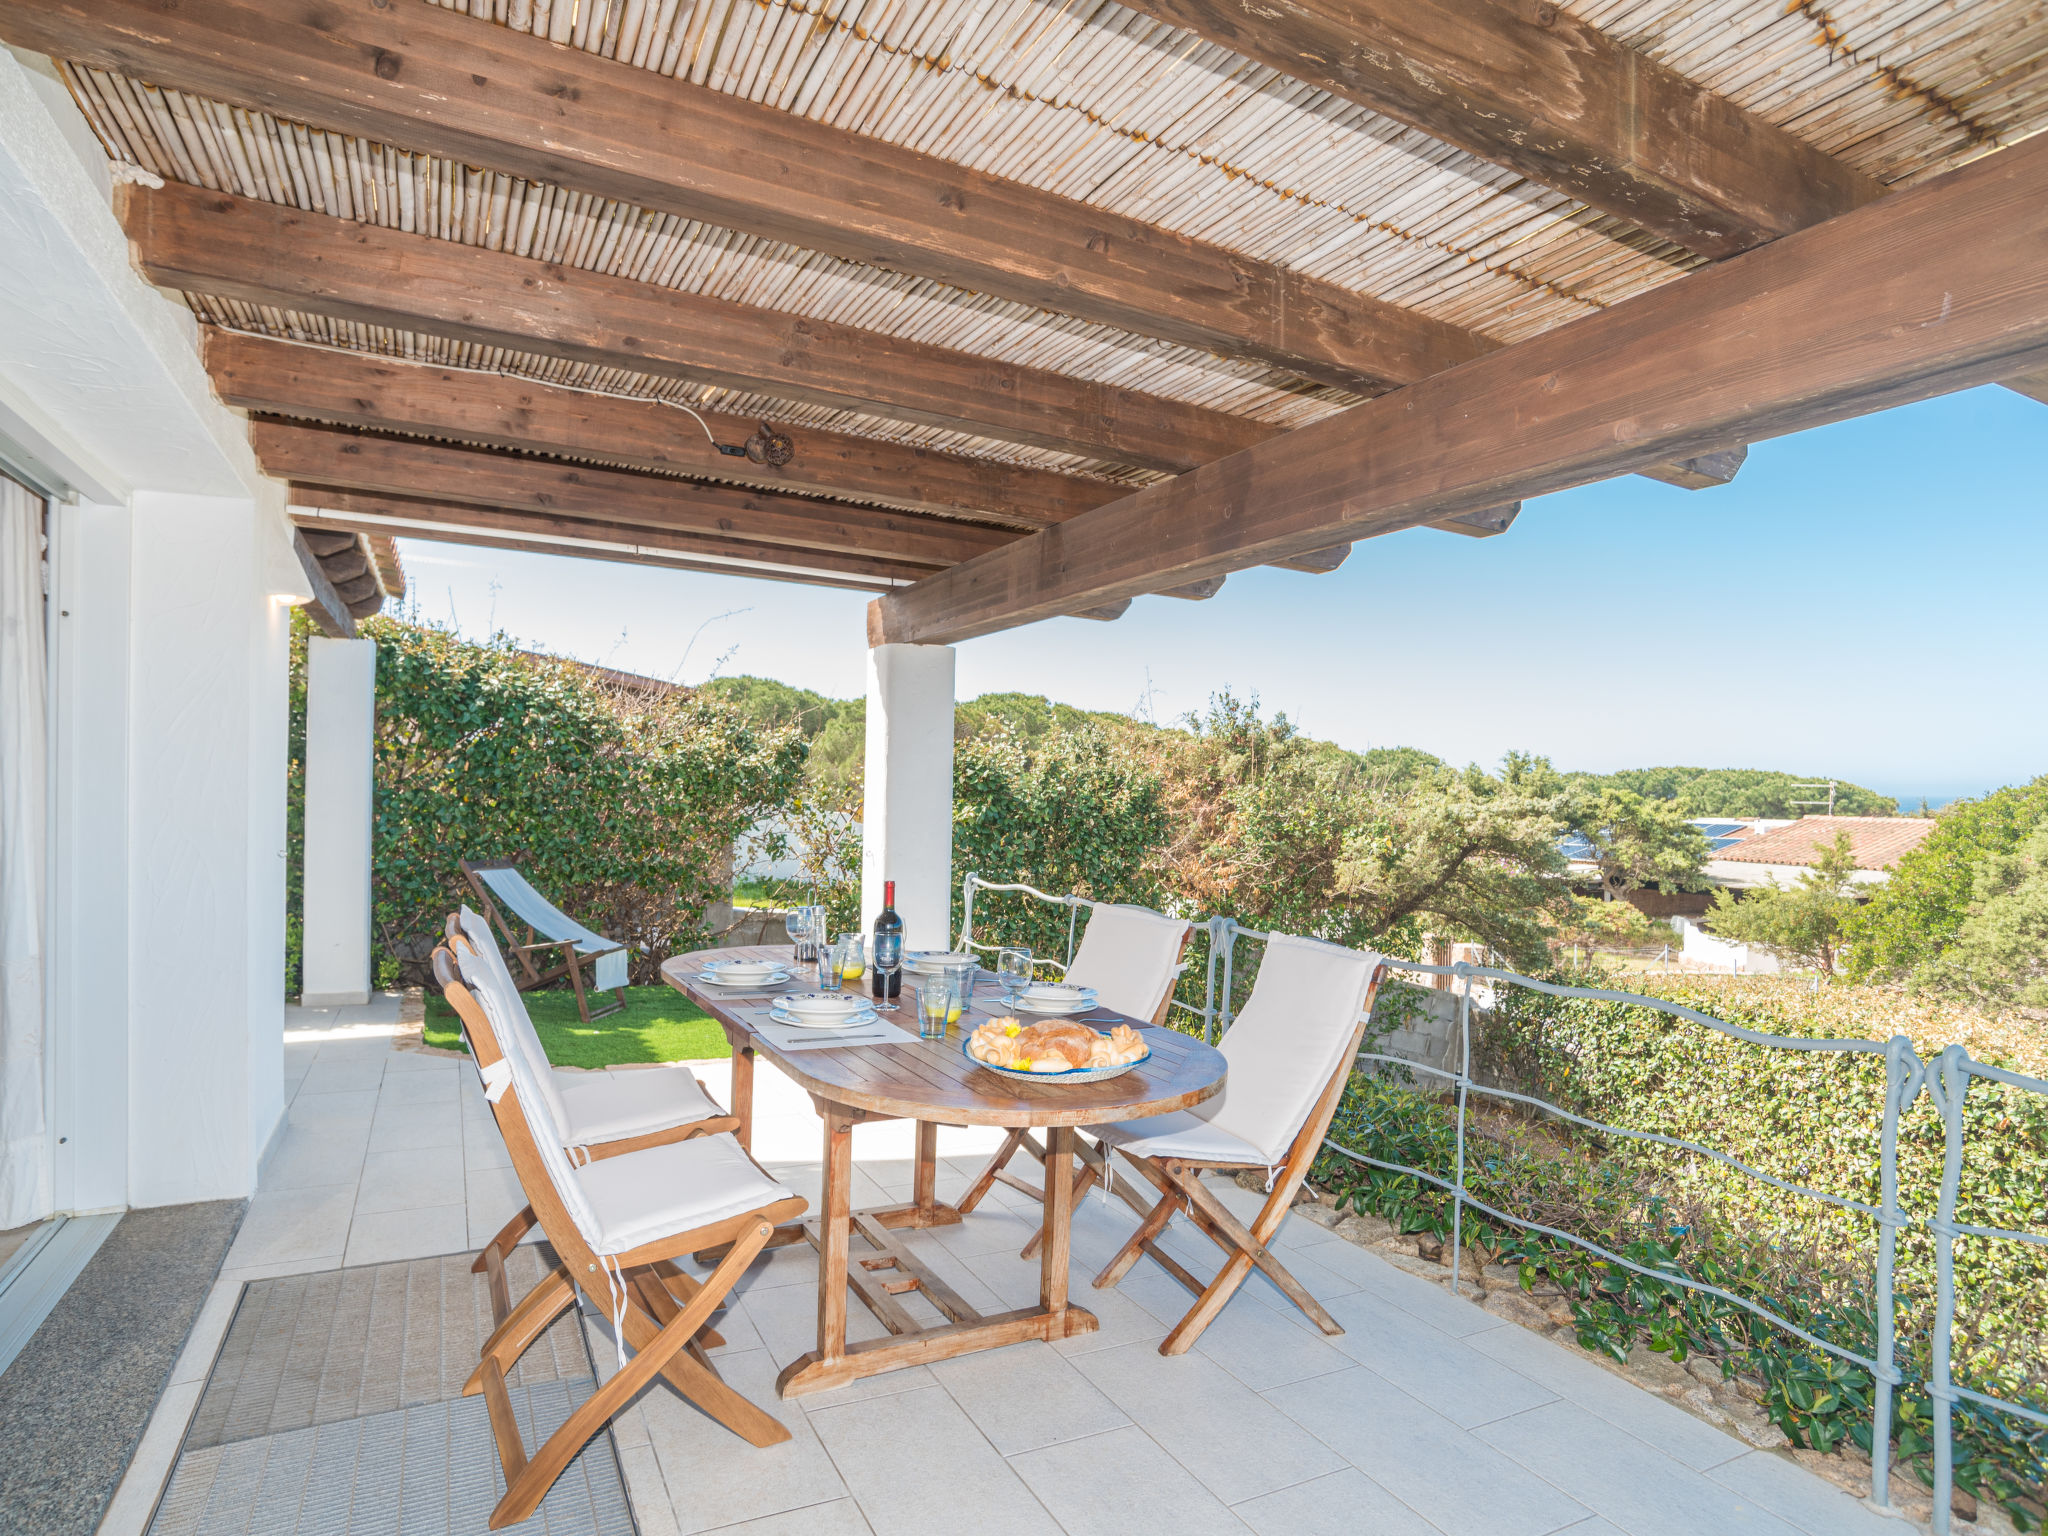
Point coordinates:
[[1057, 998], [932, 962], [822, 1010], [744, 973]]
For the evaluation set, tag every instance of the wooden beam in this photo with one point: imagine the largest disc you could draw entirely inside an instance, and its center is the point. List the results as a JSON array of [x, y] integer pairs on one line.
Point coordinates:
[[1195, 591], [1487, 523], [595, 538], [328, 612], [1933, 289], [407, 73], [1701, 472], [383, 394], [344, 459], [1104, 613], [262, 253], [1529, 86], [2033, 385], [1317, 562]]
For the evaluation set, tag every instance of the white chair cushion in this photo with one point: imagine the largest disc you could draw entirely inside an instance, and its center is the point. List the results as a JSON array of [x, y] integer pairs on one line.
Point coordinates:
[[1282, 1051], [1129, 956], [613, 1106], [515, 1030], [640, 1197], [1180, 1134]]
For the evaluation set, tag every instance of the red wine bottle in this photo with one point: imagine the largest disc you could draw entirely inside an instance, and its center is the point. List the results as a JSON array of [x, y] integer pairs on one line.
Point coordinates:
[[888, 946]]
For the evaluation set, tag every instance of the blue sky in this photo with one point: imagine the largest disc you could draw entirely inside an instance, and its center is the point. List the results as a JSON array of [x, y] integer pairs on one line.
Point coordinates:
[[1867, 601]]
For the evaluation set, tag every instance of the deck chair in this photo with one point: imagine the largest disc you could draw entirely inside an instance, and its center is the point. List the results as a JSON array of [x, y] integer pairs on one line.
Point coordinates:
[[600, 1114], [1290, 1054], [1132, 957], [499, 885], [618, 1225]]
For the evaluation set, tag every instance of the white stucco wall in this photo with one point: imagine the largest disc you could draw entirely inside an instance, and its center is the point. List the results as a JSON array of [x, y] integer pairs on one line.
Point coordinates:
[[169, 700], [907, 822], [341, 726]]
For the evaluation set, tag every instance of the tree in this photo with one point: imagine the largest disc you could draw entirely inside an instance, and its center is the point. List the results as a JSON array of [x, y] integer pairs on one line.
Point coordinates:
[[1920, 911], [2000, 953], [1636, 841], [1801, 922], [1747, 792]]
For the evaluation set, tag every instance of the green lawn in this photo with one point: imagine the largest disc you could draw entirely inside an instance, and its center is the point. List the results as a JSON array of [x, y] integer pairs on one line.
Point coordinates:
[[659, 1024]]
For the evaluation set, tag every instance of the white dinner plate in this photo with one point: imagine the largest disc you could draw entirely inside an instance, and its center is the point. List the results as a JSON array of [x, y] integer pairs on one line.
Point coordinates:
[[765, 979], [931, 960], [1054, 1010], [860, 1020]]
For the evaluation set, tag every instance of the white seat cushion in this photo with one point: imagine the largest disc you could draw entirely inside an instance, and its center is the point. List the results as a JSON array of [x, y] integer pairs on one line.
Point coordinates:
[[639, 1197], [1179, 1134], [613, 1106], [1130, 956]]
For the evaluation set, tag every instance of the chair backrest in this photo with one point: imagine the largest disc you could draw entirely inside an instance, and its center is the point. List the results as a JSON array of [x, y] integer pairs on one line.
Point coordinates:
[[1130, 956], [516, 1034], [518, 893], [1295, 1033], [529, 1116]]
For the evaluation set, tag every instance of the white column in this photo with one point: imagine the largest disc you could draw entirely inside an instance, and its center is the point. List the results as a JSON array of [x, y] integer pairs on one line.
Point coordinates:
[[341, 722], [907, 826]]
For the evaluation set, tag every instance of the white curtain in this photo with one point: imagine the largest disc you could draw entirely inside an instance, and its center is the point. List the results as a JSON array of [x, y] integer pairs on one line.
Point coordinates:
[[24, 1139]]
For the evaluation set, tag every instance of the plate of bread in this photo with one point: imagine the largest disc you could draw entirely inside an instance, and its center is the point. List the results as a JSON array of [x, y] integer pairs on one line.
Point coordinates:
[[1055, 1049]]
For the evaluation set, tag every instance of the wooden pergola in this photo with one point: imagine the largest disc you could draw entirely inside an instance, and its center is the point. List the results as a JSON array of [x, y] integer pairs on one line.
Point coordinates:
[[1013, 310]]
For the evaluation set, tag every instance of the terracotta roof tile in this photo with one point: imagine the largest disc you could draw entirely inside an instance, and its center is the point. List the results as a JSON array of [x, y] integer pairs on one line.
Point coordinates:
[[1879, 841]]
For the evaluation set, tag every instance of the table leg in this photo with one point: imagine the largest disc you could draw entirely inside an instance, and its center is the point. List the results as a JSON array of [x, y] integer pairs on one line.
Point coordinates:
[[834, 1229], [1058, 1229], [925, 1176], [743, 1094]]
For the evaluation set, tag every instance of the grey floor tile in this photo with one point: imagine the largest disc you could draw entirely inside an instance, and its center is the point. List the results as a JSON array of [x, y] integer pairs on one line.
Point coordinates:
[[1792, 1493], [308, 1157], [1346, 1503], [327, 1111], [916, 1463], [326, 1076], [1433, 1303], [384, 1237], [1026, 1396], [1464, 1486], [1446, 1374], [407, 1127], [1631, 1483], [1263, 1349], [288, 1225], [1571, 1375], [986, 1230], [1230, 1437], [716, 1479], [407, 1181], [1122, 1484], [842, 1517], [419, 1087]]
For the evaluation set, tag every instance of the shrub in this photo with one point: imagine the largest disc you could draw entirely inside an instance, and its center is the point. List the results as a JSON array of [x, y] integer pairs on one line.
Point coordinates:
[[622, 807]]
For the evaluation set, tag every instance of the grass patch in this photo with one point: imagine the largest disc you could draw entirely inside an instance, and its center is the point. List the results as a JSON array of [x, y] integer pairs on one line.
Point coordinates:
[[659, 1024]]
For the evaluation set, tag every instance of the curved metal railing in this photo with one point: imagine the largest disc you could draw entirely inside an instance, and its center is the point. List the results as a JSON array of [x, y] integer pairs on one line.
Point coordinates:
[[1946, 1081]]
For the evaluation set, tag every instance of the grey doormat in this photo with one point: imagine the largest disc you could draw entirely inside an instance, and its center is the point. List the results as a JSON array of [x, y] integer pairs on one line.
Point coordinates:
[[335, 1407], [76, 1400]]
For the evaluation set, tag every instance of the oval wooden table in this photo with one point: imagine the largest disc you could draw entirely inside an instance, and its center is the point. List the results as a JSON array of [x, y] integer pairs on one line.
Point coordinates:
[[933, 1083]]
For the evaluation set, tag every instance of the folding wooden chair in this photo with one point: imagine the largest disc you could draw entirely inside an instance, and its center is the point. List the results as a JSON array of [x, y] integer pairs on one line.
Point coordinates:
[[600, 1114], [1290, 1053], [499, 884], [618, 1225], [1132, 957]]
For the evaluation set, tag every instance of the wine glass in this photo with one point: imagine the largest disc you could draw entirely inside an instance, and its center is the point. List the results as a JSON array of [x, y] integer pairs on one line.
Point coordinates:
[[797, 923], [887, 959], [1014, 964]]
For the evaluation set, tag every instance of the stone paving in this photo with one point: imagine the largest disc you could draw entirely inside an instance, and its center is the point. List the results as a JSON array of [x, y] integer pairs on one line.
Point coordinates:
[[1429, 1414]]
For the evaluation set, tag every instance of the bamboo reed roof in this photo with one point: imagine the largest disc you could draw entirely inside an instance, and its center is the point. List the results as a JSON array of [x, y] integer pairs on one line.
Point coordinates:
[[1112, 108]]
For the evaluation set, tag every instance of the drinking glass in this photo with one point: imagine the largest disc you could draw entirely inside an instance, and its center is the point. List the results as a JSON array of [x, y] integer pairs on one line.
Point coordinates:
[[828, 977], [851, 954], [959, 975], [937, 1007], [888, 960], [1014, 963]]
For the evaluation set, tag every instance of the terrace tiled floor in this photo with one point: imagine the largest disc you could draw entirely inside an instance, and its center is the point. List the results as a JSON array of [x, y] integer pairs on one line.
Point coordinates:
[[1426, 1416]]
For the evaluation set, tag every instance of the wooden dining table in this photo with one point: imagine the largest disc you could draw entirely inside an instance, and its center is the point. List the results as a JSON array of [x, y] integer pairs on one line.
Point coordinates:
[[933, 1083]]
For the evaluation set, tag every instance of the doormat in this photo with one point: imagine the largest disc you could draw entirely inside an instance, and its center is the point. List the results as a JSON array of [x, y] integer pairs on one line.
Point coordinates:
[[335, 1408]]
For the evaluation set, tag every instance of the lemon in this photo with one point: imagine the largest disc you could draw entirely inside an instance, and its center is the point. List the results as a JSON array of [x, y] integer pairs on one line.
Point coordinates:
[[1014, 1029], [953, 1014], [1023, 1063], [850, 973]]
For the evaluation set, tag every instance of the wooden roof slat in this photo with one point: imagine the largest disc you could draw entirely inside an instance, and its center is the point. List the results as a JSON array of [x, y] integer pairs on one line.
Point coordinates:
[[430, 79], [384, 394], [347, 460], [243, 248], [1929, 290]]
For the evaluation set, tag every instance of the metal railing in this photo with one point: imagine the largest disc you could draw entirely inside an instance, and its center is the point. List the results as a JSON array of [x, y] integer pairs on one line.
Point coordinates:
[[1946, 1081]]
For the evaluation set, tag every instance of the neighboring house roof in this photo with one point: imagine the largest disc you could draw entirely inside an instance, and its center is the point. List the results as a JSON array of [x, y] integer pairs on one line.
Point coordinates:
[[1879, 841]]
